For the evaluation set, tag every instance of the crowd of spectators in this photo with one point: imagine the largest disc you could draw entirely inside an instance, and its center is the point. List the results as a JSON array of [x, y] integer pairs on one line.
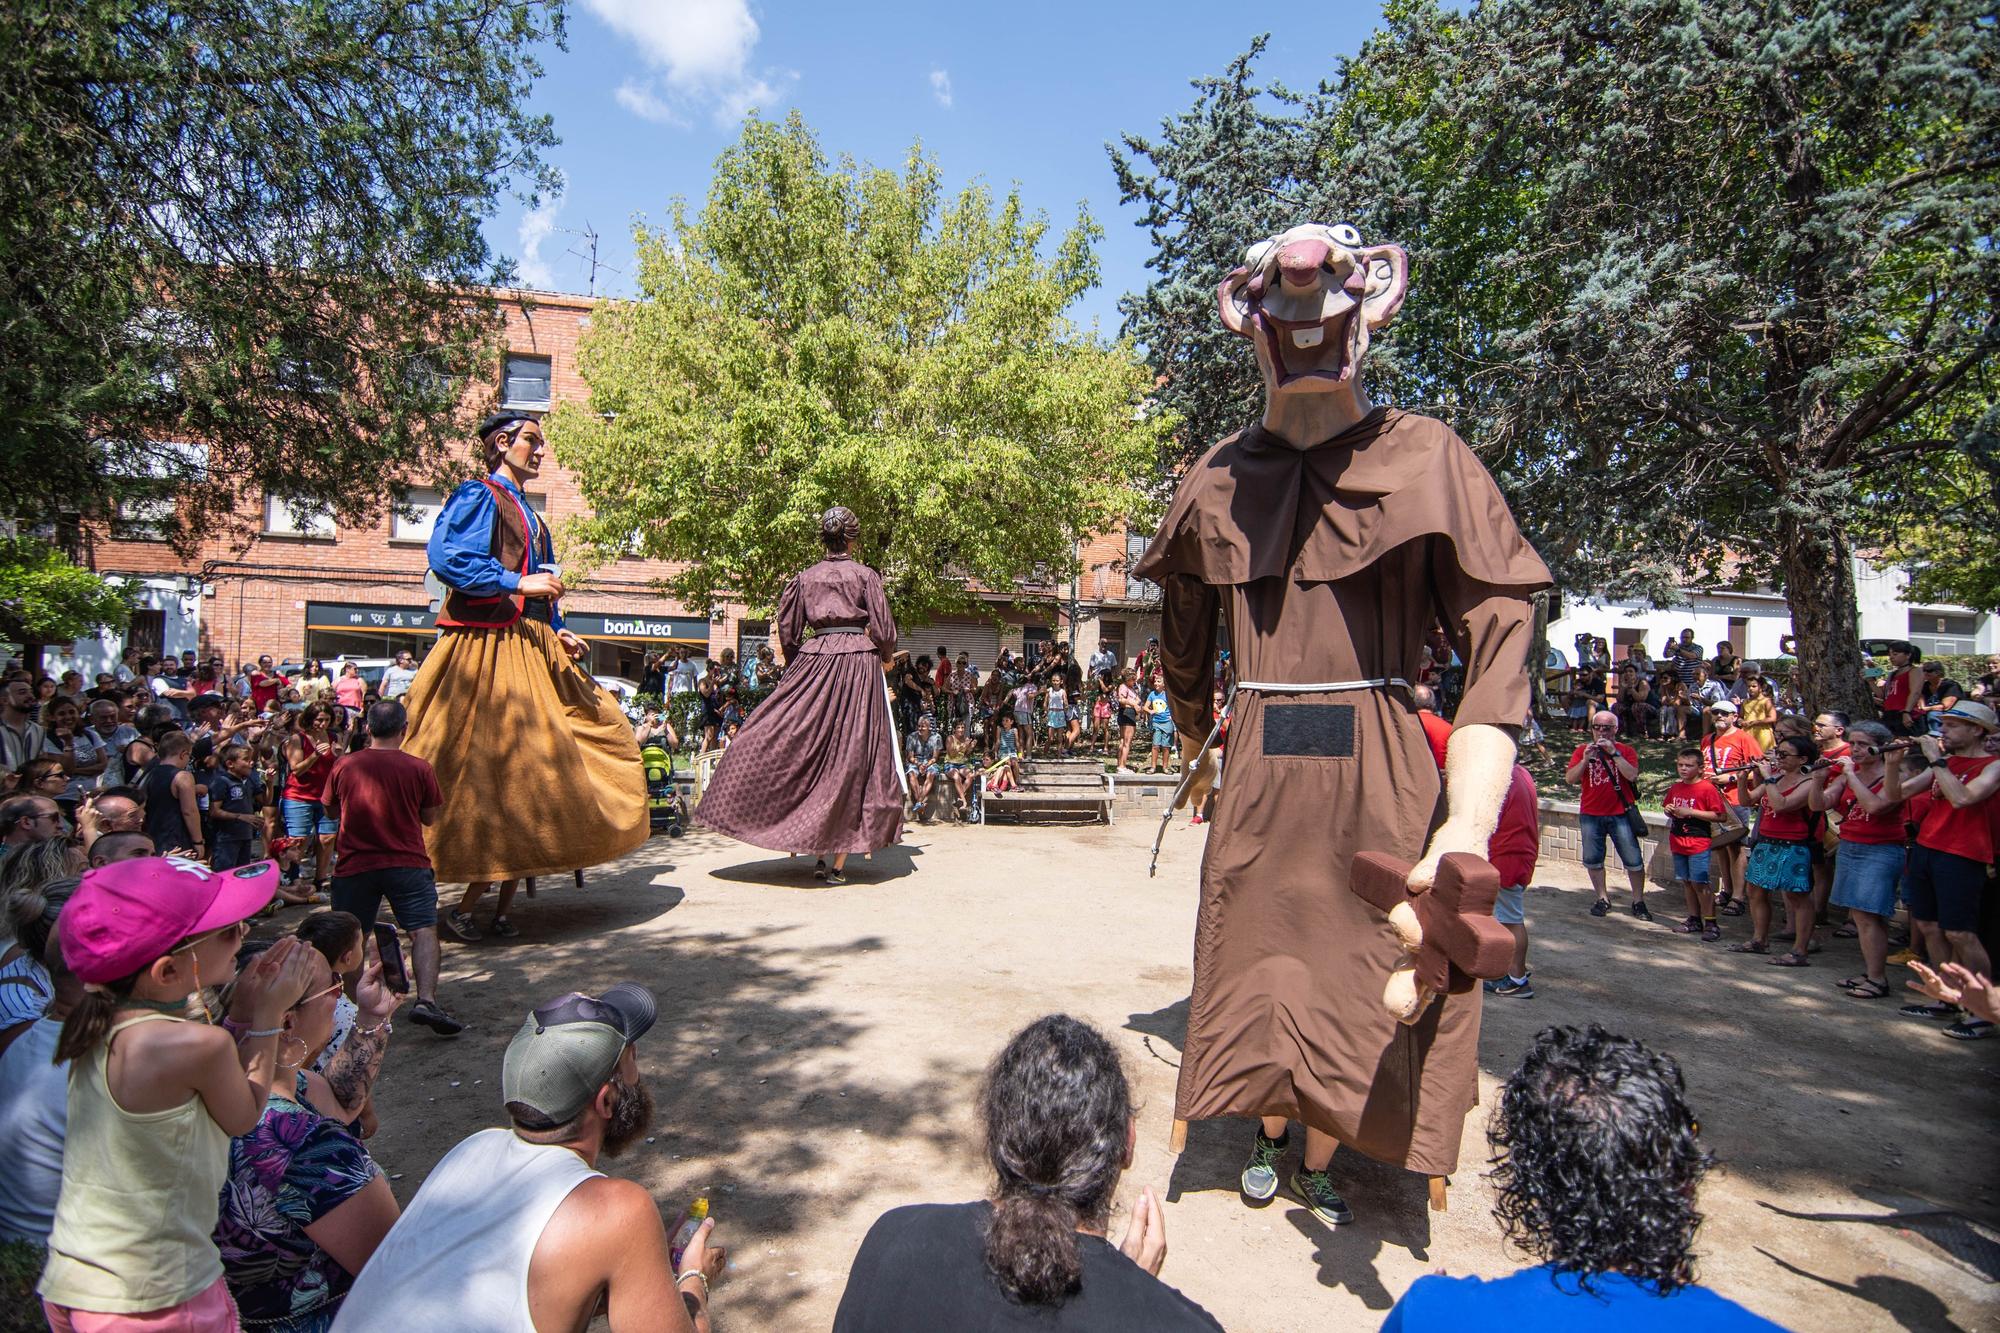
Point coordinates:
[[1810, 824]]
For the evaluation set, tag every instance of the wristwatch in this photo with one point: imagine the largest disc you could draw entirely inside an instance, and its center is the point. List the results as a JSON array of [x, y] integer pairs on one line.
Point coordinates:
[[1940, 762]]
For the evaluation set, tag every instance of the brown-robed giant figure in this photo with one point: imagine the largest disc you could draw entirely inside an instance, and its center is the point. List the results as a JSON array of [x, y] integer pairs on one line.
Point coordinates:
[[1329, 536]]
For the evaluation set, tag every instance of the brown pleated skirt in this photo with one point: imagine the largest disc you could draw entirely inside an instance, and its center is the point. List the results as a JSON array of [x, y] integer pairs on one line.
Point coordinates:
[[538, 766]]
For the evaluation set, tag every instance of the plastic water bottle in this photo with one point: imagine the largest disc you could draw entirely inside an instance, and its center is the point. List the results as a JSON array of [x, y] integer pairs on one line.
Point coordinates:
[[696, 1215]]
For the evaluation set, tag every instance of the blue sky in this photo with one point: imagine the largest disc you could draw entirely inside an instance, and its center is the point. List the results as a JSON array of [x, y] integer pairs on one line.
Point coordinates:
[[650, 91]]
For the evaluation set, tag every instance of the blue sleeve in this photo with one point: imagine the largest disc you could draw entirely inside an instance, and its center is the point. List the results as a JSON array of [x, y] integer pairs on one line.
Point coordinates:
[[461, 541]]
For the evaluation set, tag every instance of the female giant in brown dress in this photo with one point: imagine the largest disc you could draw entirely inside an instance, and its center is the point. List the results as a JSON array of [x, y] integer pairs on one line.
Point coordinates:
[[814, 768]]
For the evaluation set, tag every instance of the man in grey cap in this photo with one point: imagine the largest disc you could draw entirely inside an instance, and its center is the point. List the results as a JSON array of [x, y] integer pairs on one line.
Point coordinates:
[[516, 1230]]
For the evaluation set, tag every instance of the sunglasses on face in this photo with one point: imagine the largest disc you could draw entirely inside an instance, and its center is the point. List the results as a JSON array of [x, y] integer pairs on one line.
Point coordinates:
[[237, 934]]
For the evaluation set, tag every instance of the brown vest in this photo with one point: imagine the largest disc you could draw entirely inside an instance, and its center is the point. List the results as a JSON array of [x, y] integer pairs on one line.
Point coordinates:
[[510, 547]]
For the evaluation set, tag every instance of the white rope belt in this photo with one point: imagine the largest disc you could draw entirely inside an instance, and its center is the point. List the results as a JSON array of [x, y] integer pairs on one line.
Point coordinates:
[[1320, 687]]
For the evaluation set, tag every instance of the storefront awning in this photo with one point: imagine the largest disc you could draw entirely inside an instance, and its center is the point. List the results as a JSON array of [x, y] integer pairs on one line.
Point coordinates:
[[635, 626]]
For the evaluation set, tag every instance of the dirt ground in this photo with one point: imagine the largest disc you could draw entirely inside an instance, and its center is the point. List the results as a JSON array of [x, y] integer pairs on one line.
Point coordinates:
[[819, 1049]]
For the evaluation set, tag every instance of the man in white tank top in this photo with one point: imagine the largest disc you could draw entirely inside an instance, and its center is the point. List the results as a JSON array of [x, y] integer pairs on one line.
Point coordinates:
[[516, 1231]]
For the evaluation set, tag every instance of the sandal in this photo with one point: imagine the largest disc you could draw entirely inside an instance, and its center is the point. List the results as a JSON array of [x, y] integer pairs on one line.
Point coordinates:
[[1688, 926], [1793, 959], [1937, 1011], [1750, 946], [1730, 908], [1868, 990], [1600, 907], [1969, 1029], [1846, 932]]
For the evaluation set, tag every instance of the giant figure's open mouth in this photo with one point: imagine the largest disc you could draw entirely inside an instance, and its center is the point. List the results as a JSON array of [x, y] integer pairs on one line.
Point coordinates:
[[1309, 349]]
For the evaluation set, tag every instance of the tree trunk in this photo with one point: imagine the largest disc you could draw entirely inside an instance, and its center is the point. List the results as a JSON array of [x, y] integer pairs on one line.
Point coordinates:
[[31, 656], [1819, 588], [1538, 654]]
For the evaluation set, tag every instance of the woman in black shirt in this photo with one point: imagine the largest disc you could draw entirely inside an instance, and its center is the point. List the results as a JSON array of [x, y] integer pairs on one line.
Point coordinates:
[[1059, 1133]]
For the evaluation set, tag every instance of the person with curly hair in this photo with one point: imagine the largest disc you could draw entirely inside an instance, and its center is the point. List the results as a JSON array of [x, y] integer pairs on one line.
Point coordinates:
[[1597, 1160]]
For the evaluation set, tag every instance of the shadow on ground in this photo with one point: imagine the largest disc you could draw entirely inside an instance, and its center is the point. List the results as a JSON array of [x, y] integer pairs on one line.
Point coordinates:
[[753, 1092]]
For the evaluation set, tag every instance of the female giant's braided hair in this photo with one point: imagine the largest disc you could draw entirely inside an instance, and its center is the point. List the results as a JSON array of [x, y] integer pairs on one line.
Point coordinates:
[[1058, 1111], [838, 527]]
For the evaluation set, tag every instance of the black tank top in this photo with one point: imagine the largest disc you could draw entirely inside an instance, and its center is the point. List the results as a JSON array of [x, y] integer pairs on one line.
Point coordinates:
[[164, 824]]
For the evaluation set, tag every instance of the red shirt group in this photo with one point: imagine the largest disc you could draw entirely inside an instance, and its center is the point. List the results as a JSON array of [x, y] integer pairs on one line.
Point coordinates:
[[1689, 836]]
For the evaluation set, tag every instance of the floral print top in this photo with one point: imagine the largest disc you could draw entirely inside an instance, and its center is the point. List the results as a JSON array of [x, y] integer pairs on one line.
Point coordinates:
[[294, 1168]]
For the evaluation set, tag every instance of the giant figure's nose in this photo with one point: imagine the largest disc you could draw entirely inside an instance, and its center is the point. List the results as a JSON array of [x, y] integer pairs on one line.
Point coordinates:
[[1300, 261]]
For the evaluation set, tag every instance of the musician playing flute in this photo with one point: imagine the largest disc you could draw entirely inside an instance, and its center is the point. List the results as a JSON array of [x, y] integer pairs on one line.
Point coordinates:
[[1954, 846]]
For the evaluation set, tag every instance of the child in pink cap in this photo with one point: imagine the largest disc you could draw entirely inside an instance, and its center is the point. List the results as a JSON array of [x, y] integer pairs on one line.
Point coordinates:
[[154, 1096]]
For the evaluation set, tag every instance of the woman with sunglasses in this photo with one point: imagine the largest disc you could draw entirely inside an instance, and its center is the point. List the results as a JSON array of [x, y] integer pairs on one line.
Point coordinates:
[[305, 1205], [155, 1092], [1781, 865]]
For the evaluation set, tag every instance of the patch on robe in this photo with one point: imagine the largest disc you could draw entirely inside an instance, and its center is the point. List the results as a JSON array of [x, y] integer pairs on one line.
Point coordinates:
[[1314, 731]]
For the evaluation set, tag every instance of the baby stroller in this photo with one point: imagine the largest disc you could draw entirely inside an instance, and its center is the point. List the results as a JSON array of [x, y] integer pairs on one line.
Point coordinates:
[[666, 806]]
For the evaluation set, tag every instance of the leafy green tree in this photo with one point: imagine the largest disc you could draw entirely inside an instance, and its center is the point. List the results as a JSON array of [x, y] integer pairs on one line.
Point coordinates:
[[247, 229], [825, 335], [1710, 285], [46, 599]]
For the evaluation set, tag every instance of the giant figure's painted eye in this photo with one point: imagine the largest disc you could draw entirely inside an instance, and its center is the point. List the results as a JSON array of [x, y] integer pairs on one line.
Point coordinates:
[[1346, 234]]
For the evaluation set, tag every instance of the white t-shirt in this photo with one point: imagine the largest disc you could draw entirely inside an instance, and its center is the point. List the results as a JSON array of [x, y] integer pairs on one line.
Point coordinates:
[[682, 678], [113, 746], [458, 1257], [34, 1118]]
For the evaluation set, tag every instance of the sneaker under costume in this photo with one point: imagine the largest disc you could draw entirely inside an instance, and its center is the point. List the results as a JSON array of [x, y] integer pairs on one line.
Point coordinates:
[[814, 767], [1328, 564], [537, 762]]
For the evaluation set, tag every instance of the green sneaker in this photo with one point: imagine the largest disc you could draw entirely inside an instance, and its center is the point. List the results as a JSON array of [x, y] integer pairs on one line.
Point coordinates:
[[1260, 1178], [1315, 1188]]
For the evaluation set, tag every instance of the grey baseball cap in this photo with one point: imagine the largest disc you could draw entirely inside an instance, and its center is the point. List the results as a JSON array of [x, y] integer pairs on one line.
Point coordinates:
[[567, 1049]]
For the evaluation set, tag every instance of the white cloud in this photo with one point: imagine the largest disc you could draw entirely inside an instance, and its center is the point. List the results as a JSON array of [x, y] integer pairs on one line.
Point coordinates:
[[702, 50], [537, 225], [941, 87]]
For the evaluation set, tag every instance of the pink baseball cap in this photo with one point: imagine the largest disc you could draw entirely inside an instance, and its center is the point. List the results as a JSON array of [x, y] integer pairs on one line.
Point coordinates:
[[126, 915]]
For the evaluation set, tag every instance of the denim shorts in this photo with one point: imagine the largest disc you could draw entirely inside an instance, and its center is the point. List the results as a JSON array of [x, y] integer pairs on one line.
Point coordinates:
[[1865, 876], [1691, 866], [1595, 828], [411, 891], [305, 818], [1511, 907]]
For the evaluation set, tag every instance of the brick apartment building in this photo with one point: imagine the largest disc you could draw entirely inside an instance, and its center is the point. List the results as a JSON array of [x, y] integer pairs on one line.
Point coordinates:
[[298, 587]]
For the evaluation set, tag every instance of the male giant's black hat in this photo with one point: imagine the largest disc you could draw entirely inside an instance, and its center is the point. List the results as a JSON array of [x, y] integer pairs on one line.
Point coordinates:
[[502, 420]]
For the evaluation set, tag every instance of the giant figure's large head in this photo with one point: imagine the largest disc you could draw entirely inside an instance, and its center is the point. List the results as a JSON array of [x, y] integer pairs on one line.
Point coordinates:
[[1308, 299]]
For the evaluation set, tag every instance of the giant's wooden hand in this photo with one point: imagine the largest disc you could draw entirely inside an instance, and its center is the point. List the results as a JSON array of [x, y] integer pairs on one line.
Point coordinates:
[[1479, 765], [1448, 931]]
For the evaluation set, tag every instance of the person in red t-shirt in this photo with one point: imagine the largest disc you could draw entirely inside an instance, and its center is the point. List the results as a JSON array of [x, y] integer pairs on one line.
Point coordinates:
[[1608, 772], [1513, 849], [383, 798], [265, 682], [1829, 733], [1947, 870], [1694, 807], [1728, 746], [1901, 688], [1870, 862], [1781, 864]]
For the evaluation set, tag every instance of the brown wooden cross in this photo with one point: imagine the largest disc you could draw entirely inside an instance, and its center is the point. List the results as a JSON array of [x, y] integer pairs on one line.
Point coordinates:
[[1462, 943]]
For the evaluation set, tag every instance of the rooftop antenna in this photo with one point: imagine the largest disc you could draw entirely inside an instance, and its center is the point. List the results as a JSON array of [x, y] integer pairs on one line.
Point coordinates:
[[589, 235]]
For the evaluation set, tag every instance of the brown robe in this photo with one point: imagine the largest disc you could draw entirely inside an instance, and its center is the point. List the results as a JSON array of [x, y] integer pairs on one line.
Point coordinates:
[[1329, 564], [814, 767]]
